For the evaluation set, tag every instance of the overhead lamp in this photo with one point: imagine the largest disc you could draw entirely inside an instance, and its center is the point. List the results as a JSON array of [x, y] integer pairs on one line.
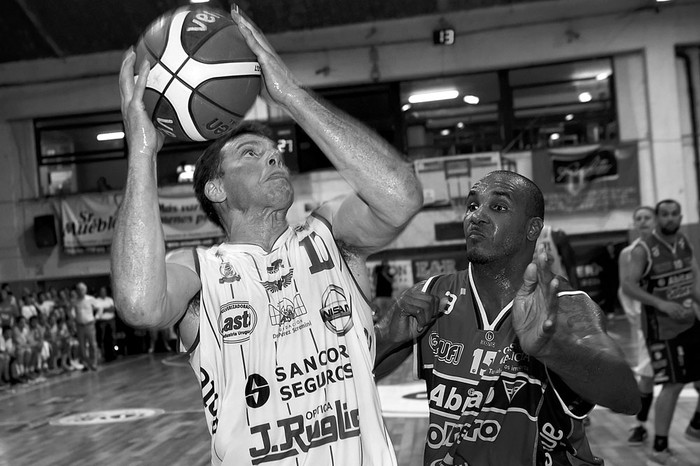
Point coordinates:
[[585, 97], [432, 96], [405, 107], [471, 99], [199, 1], [445, 132], [554, 136], [602, 76], [460, 125], [110, 136], [569, 117]]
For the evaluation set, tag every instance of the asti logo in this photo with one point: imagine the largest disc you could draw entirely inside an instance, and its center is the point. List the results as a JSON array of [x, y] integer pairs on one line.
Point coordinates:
[[286, 310], [445, 350], [237, 320]]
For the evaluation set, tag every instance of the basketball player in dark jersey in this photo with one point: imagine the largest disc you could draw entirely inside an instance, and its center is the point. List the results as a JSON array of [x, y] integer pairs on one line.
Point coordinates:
[[663, 276], [517, 359]]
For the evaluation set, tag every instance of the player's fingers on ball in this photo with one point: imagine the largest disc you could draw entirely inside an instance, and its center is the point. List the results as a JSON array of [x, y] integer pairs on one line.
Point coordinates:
[[139, 89]]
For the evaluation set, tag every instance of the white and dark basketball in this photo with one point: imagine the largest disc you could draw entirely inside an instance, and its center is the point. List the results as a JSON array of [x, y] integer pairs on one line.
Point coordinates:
[[203, 76]]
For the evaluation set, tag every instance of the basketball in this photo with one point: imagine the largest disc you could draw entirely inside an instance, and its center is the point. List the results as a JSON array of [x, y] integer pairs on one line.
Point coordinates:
[[203, 76]]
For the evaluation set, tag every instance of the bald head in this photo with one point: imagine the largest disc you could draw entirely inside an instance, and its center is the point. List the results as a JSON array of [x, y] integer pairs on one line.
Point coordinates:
[[530, 192]]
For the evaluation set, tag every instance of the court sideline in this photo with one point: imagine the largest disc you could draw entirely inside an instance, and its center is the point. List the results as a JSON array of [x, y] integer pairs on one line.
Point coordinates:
[[145, 410]]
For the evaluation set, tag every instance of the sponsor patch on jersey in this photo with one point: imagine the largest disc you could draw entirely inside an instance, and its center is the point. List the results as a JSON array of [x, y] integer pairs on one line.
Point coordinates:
[[276, 285], [336, 311], [228, 273], [286, 316], [237, 320]]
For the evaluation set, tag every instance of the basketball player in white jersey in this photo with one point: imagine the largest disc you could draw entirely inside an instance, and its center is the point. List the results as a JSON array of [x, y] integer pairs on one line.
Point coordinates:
[[644, 220], [275, 319]]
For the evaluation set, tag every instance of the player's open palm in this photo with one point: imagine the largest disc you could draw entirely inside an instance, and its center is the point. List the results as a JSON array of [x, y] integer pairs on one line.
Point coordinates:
[[277, 79], [547, 318], [535, 307]]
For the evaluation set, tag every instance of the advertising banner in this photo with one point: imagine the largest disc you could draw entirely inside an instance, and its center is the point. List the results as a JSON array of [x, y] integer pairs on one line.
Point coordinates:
[[88, 221], [588, 178]]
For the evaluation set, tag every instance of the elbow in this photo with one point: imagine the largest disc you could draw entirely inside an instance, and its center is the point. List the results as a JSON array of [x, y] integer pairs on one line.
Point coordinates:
[[134, 313], [627, 398], [410, 202]]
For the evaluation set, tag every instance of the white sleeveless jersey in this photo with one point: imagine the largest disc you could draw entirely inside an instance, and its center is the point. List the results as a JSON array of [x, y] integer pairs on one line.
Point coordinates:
[[550, 246], [285, 355]]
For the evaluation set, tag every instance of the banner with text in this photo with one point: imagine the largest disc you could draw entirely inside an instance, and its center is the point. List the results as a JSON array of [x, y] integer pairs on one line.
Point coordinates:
[[588, 178], [88, 221]]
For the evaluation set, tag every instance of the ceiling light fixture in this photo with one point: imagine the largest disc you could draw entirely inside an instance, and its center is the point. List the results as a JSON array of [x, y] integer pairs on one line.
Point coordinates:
[[432, 96], [585, 97], [110, 136], [199, 1], [405, 107], [569, 117], [445, 132], [471, 99], [554, 136], [602, 76]]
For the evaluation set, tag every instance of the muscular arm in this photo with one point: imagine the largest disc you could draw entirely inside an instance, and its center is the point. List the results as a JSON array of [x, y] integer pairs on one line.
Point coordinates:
[[565, 331], [387, 191], [146, 292]]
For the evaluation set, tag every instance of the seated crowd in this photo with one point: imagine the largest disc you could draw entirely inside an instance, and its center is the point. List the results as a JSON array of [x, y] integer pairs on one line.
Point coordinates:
[[42, 333]]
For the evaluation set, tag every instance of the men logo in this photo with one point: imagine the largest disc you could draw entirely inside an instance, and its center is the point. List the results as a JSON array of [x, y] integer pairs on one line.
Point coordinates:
[[489, 335], [336, 312], [237, 320], [277, 285], [228, 273]]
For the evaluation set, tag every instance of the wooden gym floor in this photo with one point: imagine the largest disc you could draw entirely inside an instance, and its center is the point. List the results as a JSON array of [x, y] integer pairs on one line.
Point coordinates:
[[113, 401]]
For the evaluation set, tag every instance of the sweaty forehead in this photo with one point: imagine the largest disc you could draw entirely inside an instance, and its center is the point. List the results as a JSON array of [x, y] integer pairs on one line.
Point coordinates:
[[497, 184]]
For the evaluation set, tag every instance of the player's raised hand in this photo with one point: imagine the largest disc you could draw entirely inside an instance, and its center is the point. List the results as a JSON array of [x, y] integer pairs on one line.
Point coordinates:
[[279, 83], [410, 314], [141, 135], [536, 304]]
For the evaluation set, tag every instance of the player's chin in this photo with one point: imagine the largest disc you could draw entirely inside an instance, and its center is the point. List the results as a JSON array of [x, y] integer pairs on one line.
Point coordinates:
[[476, 254]]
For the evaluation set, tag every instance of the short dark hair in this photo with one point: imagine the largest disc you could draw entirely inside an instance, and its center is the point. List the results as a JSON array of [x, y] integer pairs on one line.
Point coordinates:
[[665, 201], [208, 165], [532, 192], [643, 207]]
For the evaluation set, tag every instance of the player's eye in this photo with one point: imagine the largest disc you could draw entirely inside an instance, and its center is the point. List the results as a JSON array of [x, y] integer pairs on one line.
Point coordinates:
[[499, 207], [472, 206], [250, 153]]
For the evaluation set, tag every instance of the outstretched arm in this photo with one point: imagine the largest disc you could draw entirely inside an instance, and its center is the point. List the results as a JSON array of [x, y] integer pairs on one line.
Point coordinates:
[[564, 330], [140, 278], [388, 193]]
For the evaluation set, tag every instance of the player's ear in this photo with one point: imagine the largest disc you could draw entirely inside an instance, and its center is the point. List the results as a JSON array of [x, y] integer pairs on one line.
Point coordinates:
[[214, 190], [534, 226]]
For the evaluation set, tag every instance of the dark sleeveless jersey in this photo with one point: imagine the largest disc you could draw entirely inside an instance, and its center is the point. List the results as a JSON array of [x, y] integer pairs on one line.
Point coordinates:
[[669, 276], [490, 403]]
